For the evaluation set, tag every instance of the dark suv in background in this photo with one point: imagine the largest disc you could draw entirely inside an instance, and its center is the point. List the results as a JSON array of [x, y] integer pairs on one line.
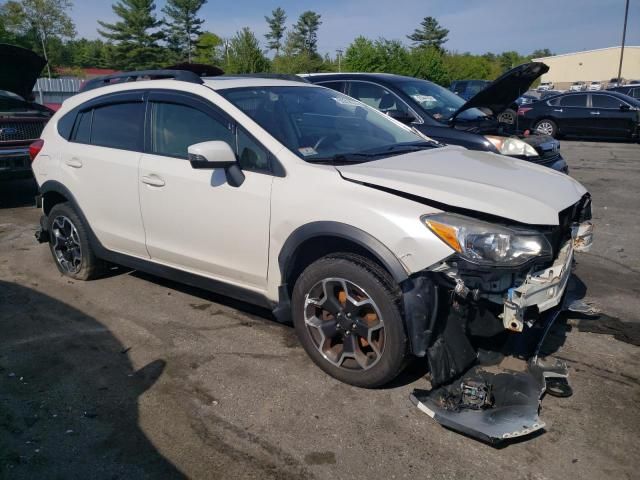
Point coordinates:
[[447, 118], [21, 120]]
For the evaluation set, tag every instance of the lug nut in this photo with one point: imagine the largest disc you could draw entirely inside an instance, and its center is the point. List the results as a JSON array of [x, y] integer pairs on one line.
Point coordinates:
[[353, 326]]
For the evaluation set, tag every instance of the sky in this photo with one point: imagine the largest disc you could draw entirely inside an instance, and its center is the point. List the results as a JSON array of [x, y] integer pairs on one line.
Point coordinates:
[[475, 26]]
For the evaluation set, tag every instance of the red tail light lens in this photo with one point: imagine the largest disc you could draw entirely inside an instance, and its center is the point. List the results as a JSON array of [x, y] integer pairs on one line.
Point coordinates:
[[34, 148], [523, 110]]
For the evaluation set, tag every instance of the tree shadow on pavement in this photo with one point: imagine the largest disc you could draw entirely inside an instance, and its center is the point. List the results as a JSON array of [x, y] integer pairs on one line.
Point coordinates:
[[69, 395]]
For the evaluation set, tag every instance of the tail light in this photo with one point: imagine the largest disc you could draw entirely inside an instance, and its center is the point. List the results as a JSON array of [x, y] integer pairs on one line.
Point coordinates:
[[523, 110], [34, 148]]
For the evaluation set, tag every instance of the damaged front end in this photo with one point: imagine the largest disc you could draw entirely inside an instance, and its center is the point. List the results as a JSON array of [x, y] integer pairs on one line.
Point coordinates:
[[484, 337]]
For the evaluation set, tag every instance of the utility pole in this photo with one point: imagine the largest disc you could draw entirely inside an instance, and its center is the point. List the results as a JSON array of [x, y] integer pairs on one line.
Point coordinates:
[[624, 34], [339, 54]]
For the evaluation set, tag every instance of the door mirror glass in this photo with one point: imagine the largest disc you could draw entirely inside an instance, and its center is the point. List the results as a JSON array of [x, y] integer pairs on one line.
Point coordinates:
[[212, 154]]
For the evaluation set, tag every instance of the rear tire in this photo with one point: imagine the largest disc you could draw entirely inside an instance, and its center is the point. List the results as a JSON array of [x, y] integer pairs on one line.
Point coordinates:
[[368, 349], [546, 127], [69, 244], [508, 117]]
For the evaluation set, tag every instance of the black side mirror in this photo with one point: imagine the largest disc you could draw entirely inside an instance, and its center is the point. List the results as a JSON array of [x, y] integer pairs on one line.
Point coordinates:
[[216, 154], [624, 107]]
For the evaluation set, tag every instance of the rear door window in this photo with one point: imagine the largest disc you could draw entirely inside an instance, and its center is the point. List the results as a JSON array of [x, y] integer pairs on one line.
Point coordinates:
[[605, 101], [118, 125], [574, 101]]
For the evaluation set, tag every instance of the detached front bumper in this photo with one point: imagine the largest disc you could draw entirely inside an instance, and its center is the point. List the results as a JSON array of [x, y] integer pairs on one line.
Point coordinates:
[[486, 375]]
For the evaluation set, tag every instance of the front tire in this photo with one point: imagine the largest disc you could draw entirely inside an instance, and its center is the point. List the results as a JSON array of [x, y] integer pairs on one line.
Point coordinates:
[[546, 127], [347, 316], [69, 244]]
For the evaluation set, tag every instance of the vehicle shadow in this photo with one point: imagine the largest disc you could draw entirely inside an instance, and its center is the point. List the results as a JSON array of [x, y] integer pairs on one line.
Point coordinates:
[[17, 193], [69, 395]]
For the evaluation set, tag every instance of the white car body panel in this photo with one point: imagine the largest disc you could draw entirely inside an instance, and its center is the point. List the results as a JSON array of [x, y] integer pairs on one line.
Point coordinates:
[[200, 222], [480, 181]]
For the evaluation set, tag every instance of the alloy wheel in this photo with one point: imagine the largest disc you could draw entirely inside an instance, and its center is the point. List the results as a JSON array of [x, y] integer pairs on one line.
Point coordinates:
[[66, 244], [345, 324], [506, 117], [545, 128]]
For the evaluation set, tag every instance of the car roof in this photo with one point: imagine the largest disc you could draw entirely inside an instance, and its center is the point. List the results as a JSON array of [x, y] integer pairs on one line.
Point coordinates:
[[224, 82], [344, 75]]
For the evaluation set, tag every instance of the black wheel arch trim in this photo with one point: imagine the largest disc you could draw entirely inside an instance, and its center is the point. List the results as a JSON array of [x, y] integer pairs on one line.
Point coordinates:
[[286, 258]]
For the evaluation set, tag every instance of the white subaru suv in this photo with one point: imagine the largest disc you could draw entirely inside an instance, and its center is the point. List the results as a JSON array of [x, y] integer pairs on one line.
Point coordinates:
[[376, 242]]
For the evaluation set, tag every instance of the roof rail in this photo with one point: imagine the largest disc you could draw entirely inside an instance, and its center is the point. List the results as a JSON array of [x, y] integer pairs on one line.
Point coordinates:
[[182, 75]]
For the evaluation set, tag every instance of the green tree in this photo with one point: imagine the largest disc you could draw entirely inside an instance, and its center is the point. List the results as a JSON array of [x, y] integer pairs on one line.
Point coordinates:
[[135, 35], [509, 60], [430, 34], [541, 53], [428, 63], [244, 54], [276, 29], [304, 38], [208, 49], [361, 56], [47, 20], [183, 26], [467, 66]]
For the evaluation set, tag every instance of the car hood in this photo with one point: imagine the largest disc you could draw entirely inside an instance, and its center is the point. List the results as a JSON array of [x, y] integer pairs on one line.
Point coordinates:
[[480, 181], [20, 69], [504, 90]]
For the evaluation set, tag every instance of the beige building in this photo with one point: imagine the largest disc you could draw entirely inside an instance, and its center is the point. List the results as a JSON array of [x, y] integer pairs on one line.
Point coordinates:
[[591, 65]]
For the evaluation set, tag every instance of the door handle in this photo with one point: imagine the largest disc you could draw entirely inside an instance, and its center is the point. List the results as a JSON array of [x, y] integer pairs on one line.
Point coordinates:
[[153, 180], [558, 110], [595, 113], [73, 162]]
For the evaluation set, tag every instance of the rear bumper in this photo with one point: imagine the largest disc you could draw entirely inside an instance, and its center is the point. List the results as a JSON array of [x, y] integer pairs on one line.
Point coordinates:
[[15, 163]]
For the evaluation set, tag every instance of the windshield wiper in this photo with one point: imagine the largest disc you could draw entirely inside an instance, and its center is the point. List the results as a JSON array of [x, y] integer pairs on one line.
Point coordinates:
[[351, 157]]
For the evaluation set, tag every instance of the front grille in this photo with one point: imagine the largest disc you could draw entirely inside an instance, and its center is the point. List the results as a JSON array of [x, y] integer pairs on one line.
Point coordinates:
[[20, 131]]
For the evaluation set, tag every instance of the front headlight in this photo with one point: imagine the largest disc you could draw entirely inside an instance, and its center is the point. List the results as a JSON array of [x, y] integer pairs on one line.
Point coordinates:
[[485, 243], [512, 146]]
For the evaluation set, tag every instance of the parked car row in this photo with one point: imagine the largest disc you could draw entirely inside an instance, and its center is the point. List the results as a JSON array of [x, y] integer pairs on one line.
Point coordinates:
[[609, 114]]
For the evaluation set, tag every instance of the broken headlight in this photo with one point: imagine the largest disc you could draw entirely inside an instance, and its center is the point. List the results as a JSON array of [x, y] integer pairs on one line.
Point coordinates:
[[485, 243], [512, 146]]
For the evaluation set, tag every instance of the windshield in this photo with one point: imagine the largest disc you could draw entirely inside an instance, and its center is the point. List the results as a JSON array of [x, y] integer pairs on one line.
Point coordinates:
[[319, 124], [438, 102]]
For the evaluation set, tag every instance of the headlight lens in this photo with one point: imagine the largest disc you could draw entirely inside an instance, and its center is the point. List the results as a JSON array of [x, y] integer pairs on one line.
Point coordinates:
[[512, 146], [486, 243]]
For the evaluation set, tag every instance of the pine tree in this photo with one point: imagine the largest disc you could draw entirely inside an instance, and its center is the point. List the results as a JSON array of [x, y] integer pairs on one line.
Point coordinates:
[[276, 29], [304, 38], [183, 27], [135, 35], [430, 35], [244, 54]]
